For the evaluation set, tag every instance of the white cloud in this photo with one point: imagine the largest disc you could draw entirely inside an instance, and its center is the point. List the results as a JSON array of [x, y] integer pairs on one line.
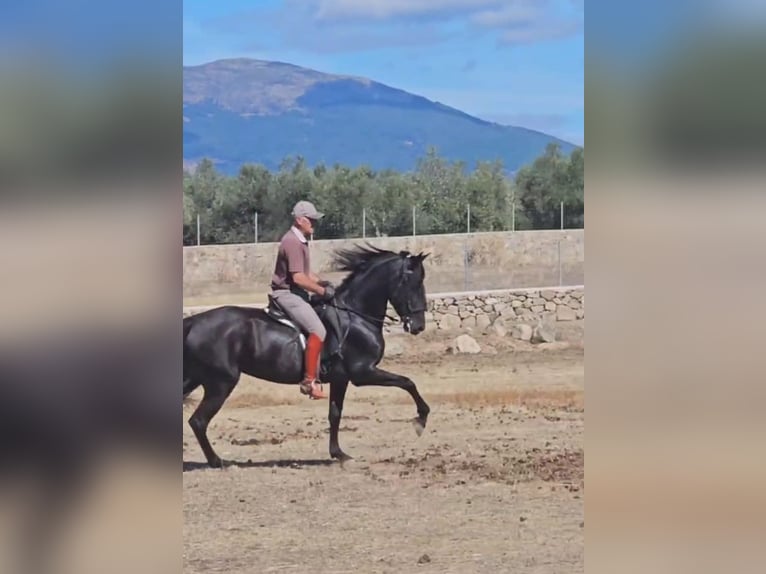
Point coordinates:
[[385, 9], [516, 21], [540, 31], [523, 11], [334, 26], [527, 21]]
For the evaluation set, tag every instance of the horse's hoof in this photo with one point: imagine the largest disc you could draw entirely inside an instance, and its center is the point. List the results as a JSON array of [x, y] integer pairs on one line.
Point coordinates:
[[217, 463], [341, 456], [419, 424]]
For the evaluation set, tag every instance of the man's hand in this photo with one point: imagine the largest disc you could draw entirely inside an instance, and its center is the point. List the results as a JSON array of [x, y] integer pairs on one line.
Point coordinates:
[[324, 290], [329, 292]]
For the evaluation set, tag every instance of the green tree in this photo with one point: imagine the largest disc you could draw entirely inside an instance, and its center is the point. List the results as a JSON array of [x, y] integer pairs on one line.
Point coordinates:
[[440, 190], [574, 214], [201, 190], [389, 209], [489, 195], [541, 187]]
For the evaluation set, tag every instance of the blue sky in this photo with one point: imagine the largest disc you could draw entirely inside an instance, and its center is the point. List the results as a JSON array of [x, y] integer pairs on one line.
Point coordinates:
[[517, 62]]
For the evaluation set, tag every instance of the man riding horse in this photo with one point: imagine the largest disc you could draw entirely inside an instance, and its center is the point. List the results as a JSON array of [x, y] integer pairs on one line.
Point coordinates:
[[223, 343], [291, 284]]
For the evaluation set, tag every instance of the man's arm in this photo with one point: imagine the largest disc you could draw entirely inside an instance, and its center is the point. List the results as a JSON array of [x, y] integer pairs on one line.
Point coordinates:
[[308, 283]]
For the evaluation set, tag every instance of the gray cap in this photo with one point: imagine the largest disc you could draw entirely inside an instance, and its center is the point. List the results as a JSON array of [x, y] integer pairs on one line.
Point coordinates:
[[306, 209]]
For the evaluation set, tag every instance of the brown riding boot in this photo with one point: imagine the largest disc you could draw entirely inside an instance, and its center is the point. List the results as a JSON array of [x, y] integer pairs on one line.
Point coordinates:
[[310, 386]]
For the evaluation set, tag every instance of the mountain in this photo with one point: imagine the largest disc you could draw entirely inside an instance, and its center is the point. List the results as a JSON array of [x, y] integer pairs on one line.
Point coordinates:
[[252, 111]]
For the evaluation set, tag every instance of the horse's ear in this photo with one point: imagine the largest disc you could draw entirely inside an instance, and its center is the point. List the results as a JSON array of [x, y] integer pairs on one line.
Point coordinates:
[[422, 256]]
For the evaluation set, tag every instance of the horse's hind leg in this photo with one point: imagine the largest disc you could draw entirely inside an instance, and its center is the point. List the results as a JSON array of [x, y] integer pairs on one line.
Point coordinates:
[[189, 386], [216, 393]]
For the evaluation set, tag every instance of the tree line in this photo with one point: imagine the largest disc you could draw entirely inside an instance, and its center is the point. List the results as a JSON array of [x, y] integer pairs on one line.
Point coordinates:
[[439, 190]]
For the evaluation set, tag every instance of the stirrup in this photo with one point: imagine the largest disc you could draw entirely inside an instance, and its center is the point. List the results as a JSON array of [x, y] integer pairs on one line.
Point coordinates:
[[310, 388]]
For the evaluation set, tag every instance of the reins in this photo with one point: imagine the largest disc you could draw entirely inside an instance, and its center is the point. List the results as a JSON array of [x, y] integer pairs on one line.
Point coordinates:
[[365, 316], [382, 322]]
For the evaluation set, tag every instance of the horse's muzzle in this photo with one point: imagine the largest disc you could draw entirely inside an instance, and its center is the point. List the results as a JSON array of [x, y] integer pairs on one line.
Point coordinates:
[[419, 327]]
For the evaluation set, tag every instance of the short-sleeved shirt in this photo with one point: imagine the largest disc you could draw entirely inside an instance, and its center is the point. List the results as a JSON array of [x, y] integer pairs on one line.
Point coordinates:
[[292, 257]]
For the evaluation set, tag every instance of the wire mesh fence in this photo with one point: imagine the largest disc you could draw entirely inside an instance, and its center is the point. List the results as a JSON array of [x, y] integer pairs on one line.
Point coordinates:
[[255, 227], [498, 263]]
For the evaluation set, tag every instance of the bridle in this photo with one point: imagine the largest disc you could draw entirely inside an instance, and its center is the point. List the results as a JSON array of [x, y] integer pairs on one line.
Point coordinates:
[[405, 314], [408, 310]]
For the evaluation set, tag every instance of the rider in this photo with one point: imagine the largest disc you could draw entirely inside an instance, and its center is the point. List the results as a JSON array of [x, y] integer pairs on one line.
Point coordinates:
[[291, 283]]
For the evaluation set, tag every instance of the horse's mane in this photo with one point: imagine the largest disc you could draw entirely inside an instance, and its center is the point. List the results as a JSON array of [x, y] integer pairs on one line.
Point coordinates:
[[360, 259]]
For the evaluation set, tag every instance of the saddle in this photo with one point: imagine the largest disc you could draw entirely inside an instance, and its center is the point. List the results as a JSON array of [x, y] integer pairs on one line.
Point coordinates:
[[330, 319]]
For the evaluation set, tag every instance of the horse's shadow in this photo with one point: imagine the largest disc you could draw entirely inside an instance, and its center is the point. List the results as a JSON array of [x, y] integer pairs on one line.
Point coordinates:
[[189, 466]]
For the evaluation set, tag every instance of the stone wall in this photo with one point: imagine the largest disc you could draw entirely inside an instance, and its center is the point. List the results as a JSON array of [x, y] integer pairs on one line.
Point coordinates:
[[459, 262], [502, 310], [520, 312]]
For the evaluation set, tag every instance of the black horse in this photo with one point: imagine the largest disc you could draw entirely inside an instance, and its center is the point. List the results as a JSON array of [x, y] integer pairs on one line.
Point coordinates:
[[222, 343]]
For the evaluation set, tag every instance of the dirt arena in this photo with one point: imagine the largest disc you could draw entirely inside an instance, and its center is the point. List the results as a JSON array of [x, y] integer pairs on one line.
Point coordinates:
[[495, 484]]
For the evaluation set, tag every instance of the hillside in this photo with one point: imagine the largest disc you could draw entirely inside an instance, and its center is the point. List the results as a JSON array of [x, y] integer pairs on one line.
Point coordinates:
[[242, 110]]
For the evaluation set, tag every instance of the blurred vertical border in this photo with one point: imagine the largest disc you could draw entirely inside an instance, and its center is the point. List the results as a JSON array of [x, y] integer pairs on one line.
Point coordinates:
[[90, 296], [676, 130]]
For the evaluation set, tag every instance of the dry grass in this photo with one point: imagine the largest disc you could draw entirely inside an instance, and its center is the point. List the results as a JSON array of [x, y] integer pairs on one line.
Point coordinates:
[[488, 482], [568, 399], [442, 379], [572, 399], [253, 401]]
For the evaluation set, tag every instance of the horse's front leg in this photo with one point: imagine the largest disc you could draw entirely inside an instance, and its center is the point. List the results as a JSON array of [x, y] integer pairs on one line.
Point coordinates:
[[337, 395], [381, 378]]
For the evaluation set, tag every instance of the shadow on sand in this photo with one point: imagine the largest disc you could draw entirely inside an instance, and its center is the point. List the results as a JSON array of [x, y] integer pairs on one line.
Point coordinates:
[[284, 463]]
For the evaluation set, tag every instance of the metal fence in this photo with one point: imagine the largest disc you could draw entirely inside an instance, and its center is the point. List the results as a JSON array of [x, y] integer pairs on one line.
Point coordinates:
[[552, 262], [561, 220]]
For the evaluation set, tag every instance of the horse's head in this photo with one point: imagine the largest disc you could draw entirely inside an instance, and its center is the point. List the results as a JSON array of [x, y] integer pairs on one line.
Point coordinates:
[[378, 276], [408, 292]]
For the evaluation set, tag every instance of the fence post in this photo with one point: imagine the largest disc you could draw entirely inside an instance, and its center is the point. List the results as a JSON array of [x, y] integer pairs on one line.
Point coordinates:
[[413, 221], [198, 229], [562, 216], [468, 218], [256, 227], [364, 223], [559, 244], [513, 216]]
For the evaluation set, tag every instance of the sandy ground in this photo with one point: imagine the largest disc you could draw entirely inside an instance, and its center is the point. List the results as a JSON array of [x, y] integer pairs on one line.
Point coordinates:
[[495, 484]]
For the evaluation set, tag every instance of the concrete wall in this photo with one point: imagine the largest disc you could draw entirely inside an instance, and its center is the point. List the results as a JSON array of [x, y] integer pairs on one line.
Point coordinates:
[[458, 262]]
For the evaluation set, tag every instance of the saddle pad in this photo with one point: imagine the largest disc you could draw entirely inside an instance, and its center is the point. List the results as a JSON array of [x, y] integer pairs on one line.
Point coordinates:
[[292, 325]]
